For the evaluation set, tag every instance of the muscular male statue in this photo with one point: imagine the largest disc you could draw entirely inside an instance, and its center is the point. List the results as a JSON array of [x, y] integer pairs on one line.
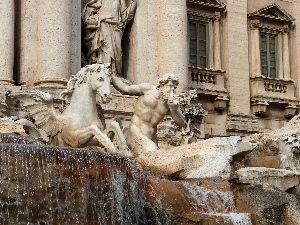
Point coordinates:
[[150, 109]]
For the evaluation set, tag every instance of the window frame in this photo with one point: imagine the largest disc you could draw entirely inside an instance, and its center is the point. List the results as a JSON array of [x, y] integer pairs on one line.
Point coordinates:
[[198, 55], [268, 52]]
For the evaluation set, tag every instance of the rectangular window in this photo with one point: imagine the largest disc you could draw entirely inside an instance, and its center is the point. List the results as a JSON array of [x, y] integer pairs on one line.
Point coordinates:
[[199, 44], [268, 55]]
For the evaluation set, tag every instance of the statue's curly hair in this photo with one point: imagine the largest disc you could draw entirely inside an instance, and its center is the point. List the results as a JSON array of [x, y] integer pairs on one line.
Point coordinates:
[[165, 78]]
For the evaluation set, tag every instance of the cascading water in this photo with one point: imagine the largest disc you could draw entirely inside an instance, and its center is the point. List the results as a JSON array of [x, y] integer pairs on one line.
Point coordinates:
[[217, 204], [48, 185]]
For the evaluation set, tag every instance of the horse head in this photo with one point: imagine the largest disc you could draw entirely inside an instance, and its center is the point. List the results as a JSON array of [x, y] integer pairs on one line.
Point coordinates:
[[100, 79]]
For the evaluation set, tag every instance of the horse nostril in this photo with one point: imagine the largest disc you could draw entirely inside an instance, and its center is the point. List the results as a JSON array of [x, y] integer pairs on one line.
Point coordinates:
[[105, 95]]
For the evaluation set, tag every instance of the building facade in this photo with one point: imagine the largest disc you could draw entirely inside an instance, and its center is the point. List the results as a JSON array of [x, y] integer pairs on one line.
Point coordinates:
[[241, 56]]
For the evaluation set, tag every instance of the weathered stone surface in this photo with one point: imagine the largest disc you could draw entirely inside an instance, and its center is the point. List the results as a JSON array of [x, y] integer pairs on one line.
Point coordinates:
[[10, 126], [267, 206], [204, 159], [267, 177]]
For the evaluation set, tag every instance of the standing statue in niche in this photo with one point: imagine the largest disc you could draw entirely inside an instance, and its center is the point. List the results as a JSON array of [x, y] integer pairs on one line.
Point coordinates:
[[150, 109], [104, 23]]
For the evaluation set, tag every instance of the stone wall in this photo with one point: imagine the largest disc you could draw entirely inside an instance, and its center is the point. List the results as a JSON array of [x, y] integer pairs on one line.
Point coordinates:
[[41, 45]]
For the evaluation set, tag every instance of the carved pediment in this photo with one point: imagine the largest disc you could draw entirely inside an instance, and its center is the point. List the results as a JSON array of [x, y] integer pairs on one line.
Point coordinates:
[[217, 5], [272, 12]]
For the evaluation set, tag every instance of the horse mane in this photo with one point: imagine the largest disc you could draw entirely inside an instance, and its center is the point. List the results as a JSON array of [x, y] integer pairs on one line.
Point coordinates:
[[81, 77]]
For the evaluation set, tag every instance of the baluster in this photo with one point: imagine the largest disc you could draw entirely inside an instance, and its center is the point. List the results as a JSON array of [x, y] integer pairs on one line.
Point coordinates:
[[266, 86], [284, 88], [277, 87]]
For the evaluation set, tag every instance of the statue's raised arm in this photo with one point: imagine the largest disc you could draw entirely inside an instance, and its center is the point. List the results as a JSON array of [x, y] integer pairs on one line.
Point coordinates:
[[126, 89], [153, 103]]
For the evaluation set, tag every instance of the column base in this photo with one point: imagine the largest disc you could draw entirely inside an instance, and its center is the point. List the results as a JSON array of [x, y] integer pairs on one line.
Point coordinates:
[[7, 82], [51, 83]]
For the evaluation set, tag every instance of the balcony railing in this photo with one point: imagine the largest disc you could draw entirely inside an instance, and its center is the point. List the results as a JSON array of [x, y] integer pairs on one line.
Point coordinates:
[[208, 81], [203, 77], [275, 86], [267, 90], [272, 88]]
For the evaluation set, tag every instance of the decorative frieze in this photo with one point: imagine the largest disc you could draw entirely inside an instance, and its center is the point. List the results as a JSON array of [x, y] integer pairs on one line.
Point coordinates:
[[274, 13], [213, 4], [199, 16]]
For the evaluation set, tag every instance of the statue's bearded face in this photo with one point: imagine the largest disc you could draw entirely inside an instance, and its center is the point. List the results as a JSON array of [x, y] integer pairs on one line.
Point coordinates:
[[168, 89]]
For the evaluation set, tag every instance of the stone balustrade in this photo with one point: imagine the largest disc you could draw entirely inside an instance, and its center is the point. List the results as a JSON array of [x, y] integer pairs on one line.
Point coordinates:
[[208, 81], [267, 90], [203, 76], [275, 86], [272, 88]]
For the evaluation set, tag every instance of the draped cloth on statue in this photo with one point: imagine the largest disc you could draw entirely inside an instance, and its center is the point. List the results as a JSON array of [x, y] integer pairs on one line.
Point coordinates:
[[104, 22]]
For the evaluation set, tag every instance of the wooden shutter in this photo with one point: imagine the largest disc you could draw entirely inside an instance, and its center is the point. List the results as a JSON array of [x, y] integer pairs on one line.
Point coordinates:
[[199, 44], [268, 55]]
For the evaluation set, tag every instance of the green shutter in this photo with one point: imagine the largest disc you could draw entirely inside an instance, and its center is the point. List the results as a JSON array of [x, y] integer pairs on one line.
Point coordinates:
[[202, 45], [199, 44], [268, 55], [193, 43], [263, 55]]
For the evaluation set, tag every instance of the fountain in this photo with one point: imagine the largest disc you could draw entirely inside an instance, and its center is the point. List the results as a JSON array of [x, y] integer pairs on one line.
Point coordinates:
[[60, 164], [256, 181]]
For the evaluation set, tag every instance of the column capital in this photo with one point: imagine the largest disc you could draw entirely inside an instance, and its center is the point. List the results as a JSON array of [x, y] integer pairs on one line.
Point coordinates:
[[216, 18], [254, 25], [286, 29]]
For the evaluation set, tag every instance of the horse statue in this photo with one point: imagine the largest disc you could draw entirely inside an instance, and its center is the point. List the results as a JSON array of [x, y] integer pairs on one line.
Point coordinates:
[[79, 124]]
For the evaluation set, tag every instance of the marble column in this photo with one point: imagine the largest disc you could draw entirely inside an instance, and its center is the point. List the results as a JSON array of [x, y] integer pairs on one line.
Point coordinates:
[[255, 51], [217, 49], [140, 48], [286, 55], [280, 57], [7, 15], [55, 42], [27, 41], [172, 40]]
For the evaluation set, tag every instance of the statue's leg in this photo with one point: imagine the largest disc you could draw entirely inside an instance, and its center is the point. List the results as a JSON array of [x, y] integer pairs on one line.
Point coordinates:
[[138, 142], [81, 137], [114, 129]]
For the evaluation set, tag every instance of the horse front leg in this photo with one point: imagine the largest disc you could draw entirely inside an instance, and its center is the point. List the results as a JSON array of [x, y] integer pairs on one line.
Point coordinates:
[[82, 137], [115, 129]]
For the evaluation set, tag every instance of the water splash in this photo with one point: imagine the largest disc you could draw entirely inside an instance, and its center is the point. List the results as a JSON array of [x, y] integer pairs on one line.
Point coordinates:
[[240, 219], [210, 201], [45, 185]]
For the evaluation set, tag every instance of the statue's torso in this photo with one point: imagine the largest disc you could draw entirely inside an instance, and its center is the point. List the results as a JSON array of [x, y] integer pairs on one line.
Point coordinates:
[[150, 110], [110, 9]]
